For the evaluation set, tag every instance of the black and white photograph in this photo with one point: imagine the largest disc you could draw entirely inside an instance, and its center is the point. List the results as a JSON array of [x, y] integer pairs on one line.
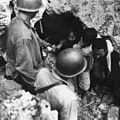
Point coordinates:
[[59, 59]]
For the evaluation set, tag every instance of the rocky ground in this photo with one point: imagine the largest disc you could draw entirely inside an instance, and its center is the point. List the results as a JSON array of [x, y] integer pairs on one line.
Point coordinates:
[[99, 105]]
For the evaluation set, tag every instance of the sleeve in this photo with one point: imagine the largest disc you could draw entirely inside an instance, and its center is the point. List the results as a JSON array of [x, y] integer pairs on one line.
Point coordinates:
[[69, 111], [110, 50], [24, 63], [84, 80], [43, 78]]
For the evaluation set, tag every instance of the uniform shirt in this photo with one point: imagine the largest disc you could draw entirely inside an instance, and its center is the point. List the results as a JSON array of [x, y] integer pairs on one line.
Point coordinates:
[[23, 50], [60, 97]]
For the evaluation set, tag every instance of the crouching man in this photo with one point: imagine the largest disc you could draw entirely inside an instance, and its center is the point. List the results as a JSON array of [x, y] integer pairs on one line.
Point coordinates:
[[69, 64]]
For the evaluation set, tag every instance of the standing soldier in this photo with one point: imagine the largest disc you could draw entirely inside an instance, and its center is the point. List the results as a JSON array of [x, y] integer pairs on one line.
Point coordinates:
[[23, 45]]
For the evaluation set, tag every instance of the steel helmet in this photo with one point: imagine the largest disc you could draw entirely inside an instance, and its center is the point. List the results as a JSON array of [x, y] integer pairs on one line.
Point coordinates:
[[29, 5], [70, 62]]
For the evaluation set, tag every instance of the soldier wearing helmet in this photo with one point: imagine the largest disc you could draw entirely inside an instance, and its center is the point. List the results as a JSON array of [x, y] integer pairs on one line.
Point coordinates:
[[29, 5], [23, 45], [69, 63]]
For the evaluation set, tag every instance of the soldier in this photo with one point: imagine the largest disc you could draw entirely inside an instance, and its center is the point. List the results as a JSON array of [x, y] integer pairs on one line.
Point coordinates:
[[69, 63], [23, 45]]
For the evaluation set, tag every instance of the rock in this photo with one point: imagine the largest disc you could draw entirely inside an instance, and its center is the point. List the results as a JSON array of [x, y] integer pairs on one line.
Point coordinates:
[[10, 86], [25, 106], [46, 113], [113, 113]]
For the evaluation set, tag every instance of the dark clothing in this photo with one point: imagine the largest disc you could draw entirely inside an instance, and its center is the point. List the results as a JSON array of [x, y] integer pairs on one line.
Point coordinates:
[[115, 68], [2, 61], [23, 50], [13, 15], [100, 52], [3, 38], [56, 27], [11, 5], [69, 44], [65, 43]]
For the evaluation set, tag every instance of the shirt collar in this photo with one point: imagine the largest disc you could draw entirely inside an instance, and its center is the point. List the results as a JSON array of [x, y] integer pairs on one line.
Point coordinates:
[[27, 24], [98, 36], [59, 78]]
